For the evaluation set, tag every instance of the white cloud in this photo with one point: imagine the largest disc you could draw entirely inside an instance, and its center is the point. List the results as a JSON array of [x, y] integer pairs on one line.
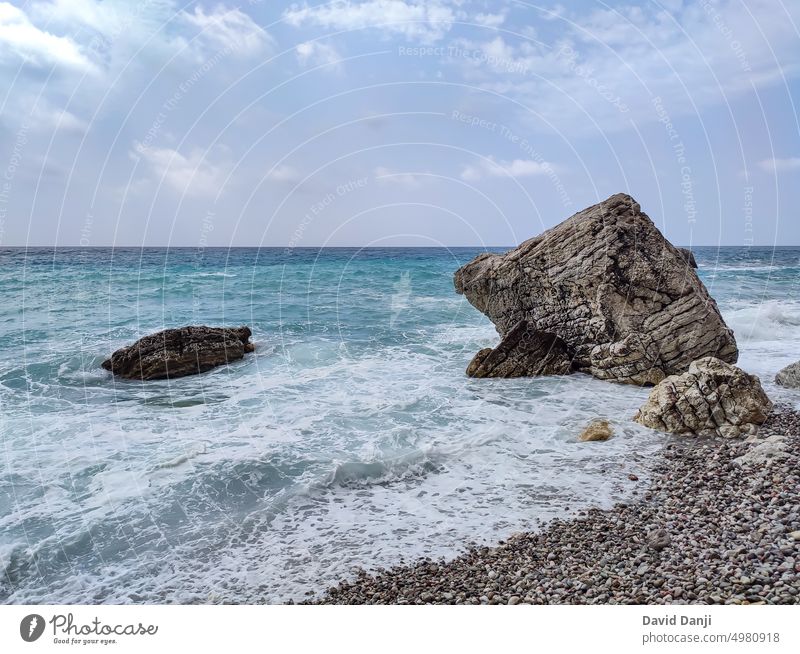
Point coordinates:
[[318, 54], [229, 29], [427, 20], [406, 180], [47, 117], [608, 64], [21, 39], [778, 165], [102, 17], [490, 20], [491, 167], [194, 174], [285, 174]]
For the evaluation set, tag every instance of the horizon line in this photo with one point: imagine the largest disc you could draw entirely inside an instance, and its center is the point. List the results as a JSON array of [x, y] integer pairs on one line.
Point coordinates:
[[326, 247]]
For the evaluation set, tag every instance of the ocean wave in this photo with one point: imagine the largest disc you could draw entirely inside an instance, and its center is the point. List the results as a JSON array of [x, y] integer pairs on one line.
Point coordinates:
[[744, 269], [209, 274], [387, 471], [771, 320]]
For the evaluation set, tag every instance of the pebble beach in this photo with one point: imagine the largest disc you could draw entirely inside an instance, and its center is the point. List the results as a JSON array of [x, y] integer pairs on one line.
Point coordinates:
[[719, 524]]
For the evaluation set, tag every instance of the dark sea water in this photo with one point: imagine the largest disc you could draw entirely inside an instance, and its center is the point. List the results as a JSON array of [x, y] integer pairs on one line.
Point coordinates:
[[351, 436]]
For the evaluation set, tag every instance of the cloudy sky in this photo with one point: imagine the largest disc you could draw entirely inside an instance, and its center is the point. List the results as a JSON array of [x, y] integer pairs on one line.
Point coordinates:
[[394, 122]]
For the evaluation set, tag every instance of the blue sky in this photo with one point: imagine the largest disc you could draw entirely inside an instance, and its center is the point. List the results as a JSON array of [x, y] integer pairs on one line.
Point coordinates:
[[394, 122]]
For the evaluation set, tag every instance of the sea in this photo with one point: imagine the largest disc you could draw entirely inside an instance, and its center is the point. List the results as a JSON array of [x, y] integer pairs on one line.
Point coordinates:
[[351, 438]]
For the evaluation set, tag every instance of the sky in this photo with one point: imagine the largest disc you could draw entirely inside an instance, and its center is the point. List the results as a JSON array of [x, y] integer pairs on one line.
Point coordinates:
[[394, 122]]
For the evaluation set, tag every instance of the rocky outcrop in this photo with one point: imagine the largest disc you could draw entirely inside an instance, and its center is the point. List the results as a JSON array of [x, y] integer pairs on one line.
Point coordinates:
[[688, 256], [789, 377], [712, 398], [596, 430], [524, 352], [611, 287], [180, 352]]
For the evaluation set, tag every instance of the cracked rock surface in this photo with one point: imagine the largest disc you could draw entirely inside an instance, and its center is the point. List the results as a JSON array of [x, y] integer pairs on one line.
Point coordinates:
[[524, 352], [179, 352], [713, 398], [627, 304]]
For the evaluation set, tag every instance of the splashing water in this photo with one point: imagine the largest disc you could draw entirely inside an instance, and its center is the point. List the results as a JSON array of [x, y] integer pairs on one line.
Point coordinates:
[[350, 437]]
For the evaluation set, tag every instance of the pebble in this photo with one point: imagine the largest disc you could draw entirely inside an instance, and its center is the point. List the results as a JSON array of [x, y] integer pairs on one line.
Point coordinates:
[[712, 528]]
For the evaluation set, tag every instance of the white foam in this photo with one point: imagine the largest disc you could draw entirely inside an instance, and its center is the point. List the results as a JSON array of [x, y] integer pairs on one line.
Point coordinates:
[[402, 456]]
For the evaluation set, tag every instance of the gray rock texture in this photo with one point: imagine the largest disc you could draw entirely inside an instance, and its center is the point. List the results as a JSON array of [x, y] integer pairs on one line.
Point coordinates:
[[713, 398], [789, 376], [180, 352], [524, 352], [611, 287], [688, 256]]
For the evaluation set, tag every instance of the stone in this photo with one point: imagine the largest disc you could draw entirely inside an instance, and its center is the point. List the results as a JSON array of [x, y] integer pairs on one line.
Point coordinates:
[[596, 430], [688, 256], [658, 539], [771, 449], [524, 352], [179, 352], [789, 376], [712, 398], [606, 282]]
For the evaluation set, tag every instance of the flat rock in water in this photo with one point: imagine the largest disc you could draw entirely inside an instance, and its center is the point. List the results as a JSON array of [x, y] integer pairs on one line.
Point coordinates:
[[712, 398], [625, 302], [179, 352], [524, 352]]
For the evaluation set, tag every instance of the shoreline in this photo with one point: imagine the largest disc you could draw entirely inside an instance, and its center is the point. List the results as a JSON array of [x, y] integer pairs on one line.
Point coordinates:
[[712, 528]]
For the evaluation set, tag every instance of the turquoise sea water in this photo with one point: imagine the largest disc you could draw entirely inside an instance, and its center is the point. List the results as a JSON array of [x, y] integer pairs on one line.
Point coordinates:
[[351, 436]]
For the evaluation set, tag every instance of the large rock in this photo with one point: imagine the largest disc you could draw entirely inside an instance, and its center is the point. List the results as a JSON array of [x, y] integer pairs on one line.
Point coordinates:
[[180, 352], [712, 398], [524, 352], [789, 376], [606, 282]]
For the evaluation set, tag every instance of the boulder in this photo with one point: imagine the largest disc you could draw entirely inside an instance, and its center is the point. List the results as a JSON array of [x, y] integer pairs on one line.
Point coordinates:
[[611, 287], [596, 430], [789, 376], [524, 352], [179, 352], [712, 398], [688, 256], [766, 452]]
